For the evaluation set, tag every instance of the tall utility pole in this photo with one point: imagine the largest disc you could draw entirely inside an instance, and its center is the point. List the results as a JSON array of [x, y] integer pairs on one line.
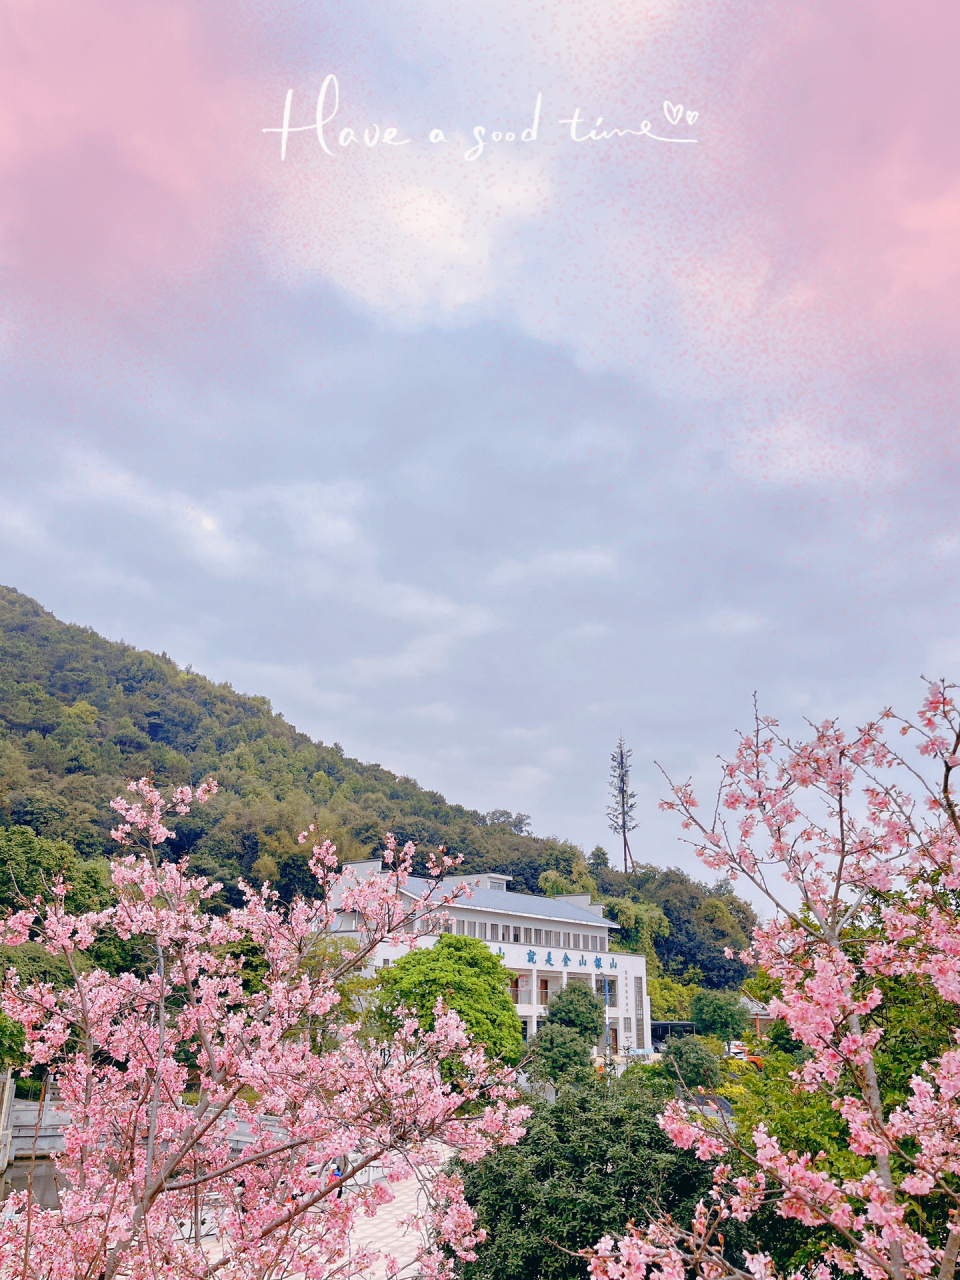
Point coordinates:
[[620, 813]]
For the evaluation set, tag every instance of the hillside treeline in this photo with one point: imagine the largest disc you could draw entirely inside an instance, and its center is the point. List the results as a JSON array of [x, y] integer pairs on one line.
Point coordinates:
[[79, 714]]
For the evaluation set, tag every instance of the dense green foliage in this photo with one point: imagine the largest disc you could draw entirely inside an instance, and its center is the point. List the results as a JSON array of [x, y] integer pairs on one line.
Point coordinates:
[[12, 1041], [589, 1162], [79, 714], [576, 1006], [691, 1061], [30, 864], [558, 1053], [561, 1048], [720, 1014], [466, 975]]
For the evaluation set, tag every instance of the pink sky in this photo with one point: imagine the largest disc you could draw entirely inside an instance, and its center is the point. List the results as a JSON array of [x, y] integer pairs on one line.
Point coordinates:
[[821, 226]]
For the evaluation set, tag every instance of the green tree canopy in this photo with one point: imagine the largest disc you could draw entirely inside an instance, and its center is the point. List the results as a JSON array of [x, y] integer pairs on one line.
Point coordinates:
[[29, 864], [467, 977], [12, 1041], [576, 1006], [559, 1053], [720, 1014], [589, 1163], [670, 1000], [692, 1059]]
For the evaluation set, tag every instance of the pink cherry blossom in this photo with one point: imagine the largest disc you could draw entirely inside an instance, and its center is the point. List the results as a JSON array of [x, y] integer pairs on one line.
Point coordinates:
[[192, 1097], [836, 832]]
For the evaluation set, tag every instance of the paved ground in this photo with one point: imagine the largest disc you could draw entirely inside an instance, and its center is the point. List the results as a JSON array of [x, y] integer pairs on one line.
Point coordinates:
[[383, 1232]]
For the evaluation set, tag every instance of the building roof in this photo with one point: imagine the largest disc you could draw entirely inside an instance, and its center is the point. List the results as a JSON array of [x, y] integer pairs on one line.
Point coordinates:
[[514, 904], [754, 1007]]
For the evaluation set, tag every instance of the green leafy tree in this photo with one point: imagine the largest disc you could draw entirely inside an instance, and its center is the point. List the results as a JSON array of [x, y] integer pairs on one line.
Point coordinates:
[[641, 924], [467, 977], [703, 921], [577, 879], [589, 1162], [29, 864], [781, 1039], [670, 1000], [690, 1060], [720, 1014], [575, 1006], [599, 858], [559, 1053], [12, 1041]]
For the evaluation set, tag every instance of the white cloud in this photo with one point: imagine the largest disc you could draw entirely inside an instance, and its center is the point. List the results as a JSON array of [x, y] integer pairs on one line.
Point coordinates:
[[734, 622], [552, 566], [808, 446]]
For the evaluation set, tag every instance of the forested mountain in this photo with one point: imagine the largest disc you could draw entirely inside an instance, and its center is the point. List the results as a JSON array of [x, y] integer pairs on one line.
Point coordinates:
[[79, 714]]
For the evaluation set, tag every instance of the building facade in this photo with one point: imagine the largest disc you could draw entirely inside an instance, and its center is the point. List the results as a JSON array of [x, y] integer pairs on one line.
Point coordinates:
[[546, 943]]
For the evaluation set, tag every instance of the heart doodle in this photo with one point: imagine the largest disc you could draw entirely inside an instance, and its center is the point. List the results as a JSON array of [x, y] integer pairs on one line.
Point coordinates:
[[692, 117], [673, 113]]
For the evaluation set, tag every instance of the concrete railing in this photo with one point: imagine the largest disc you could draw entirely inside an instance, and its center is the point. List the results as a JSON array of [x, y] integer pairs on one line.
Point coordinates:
[[7, 1088], [31, 1131]]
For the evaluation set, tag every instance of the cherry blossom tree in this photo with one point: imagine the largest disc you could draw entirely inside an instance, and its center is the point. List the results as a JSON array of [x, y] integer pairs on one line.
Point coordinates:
[[212, 1130], [856, 846]]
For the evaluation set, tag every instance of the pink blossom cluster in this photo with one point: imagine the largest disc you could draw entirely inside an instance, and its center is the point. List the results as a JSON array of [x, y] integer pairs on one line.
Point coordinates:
[[197, 1095], [857, 849], [146, 814]]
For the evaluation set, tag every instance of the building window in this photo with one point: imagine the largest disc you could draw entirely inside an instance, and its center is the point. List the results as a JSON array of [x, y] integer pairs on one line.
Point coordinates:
[[627, 1027], [483, 929], [543, 990], [594, 942], [607, 991], [538, 937], [495, 933], [527, 936], [638, 1008], [523, 988], [461, 926], [448, 926], [471, 929], [500, 885], [516, 933], [603, 942], [576, 942], [523, 1030], [566, 940]]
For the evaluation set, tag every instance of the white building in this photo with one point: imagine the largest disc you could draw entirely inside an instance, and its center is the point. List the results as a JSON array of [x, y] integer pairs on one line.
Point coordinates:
[[546, 943]]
